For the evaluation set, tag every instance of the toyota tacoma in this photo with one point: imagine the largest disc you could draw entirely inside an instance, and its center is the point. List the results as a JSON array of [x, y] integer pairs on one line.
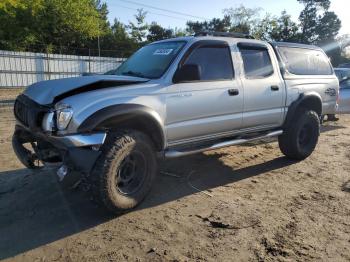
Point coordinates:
[[170, 99]]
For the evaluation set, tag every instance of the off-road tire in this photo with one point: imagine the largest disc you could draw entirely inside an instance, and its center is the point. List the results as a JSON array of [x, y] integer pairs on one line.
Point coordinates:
[[292, 142], [103, 178]]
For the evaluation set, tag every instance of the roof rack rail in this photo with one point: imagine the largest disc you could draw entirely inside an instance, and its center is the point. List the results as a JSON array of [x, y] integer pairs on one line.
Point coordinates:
[[224, 34]]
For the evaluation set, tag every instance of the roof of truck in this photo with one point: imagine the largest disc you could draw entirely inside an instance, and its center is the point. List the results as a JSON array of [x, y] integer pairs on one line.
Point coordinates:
[[232, 40], [235, 38], [288, 44]]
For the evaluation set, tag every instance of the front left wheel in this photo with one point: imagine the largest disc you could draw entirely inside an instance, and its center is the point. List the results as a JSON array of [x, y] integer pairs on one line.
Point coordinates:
[[125, 171]]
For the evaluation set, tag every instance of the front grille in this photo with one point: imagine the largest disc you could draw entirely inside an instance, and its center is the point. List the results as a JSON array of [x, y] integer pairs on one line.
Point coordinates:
[[29, 113], [21, 112]]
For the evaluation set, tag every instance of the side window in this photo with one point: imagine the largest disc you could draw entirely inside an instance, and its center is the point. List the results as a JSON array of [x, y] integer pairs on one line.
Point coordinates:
[[215, 62], [302, 61], [257, 62]]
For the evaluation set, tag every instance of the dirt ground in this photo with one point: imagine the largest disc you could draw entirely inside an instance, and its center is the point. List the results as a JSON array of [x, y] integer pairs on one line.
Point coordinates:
[[255, 206], [9, 94]]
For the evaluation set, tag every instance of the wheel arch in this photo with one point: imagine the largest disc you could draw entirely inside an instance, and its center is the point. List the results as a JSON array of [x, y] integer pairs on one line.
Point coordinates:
[[129, 116], [310, 101]]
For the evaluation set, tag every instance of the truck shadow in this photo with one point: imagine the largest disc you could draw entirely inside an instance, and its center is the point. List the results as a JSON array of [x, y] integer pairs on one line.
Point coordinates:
[[330, 127], [36, 211]]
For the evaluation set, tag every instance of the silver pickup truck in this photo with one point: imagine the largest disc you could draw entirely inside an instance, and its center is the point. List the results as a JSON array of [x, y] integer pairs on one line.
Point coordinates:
[[170, 99]]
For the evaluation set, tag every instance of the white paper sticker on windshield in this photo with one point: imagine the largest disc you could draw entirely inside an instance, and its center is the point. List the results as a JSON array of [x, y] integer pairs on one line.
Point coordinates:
[[163, 52]]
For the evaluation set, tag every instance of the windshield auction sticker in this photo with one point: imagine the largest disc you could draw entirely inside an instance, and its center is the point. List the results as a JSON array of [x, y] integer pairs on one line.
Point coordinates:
[[163, 52]]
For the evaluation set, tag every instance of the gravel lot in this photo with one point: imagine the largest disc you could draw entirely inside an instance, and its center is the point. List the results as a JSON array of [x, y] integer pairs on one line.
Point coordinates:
[[255, 206]]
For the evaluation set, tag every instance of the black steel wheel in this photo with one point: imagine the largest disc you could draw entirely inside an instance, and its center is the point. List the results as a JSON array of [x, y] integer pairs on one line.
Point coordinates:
[[125, 171], [299, 139]]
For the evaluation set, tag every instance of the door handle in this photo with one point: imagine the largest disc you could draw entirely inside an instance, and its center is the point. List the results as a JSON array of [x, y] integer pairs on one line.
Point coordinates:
[[233, 92], [275, 88]]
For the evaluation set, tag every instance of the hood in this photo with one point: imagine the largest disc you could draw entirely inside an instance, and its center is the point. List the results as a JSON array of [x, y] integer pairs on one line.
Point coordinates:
[[48, 92]]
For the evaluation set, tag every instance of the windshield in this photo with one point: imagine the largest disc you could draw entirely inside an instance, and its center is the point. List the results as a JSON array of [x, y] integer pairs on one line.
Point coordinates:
[[151, 61]]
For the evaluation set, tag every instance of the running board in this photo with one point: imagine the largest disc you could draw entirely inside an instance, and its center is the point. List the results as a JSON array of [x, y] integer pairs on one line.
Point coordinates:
[[174, 153]]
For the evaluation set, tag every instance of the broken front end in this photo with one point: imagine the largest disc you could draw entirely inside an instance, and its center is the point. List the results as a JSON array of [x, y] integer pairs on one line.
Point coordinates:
[[37, 142]]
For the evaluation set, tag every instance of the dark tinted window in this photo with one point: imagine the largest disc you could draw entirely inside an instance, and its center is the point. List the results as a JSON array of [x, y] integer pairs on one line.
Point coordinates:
[[257, 62], [215, 62], [301, 61]]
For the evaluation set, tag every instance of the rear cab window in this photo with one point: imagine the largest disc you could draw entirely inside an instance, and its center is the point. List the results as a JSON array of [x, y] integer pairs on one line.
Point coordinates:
[[256, 60], [303, 61]]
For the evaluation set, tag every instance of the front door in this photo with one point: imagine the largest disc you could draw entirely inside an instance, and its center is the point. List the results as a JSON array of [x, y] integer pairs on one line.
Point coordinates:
[[210, 106]]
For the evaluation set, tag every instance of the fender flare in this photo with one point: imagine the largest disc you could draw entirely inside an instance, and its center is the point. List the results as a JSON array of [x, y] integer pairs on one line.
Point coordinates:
[[302, 101], [136, 116]]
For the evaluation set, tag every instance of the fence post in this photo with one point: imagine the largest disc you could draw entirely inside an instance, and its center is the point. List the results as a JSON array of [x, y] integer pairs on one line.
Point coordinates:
[[89, 62], [48, 64]]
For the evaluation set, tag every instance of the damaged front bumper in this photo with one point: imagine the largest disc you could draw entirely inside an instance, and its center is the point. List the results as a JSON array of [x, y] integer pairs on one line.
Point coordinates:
[[78, 140], [77, 152]]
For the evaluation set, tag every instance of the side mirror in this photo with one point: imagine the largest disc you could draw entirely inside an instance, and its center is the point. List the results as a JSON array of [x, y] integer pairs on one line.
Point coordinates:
[[186, 73]]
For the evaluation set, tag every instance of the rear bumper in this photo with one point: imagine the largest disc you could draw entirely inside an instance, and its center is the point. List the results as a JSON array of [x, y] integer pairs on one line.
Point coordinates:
[[329, 108]]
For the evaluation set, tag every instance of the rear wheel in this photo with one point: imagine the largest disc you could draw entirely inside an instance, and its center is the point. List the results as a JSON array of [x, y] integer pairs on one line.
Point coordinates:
[[300, 138], [125, 171]]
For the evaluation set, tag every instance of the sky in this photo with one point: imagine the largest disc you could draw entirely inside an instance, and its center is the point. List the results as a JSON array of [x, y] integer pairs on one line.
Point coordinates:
[[124, 10]]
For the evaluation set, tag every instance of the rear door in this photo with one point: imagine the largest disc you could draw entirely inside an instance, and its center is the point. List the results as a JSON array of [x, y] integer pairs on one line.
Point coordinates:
[[264, 90], [211, 106]]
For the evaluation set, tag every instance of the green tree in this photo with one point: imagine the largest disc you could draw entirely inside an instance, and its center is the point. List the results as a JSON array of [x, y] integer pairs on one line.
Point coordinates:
[[18, 22], [179, 32], [48, 22], [243, 19], [139, 29], [117, 42], [157, 32], [284, 29], [263, 28], [102, 9], [318, 24], [214, 25]]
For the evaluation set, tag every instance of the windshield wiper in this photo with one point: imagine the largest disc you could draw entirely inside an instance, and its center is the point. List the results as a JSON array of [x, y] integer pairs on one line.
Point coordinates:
[[133, 73]]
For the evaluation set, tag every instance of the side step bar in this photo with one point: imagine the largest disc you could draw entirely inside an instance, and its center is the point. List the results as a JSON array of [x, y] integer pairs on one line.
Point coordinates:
[[174, 153]]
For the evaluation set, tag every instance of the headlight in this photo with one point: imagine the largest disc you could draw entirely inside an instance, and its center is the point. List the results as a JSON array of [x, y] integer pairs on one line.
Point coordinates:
[[64, 114]]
